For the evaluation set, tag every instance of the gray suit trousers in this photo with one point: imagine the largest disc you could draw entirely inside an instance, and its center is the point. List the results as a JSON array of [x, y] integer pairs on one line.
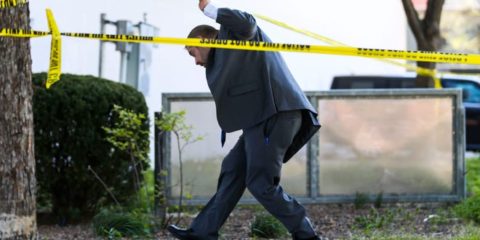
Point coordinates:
[[255, 163]]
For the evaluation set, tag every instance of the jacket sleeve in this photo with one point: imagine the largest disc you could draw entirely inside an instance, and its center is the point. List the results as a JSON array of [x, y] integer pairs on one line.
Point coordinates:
[[241, 24]]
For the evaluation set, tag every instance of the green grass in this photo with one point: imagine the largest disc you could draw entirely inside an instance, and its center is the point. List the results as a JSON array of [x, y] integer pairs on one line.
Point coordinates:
[[466, 232], [378, 225], [473, 176]]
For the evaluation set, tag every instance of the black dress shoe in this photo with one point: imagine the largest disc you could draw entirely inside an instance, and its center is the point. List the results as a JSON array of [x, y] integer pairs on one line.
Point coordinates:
[[180, 233]]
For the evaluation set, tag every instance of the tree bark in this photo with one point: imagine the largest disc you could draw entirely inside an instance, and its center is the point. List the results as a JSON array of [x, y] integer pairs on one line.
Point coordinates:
[[17, 162], [426, 32]]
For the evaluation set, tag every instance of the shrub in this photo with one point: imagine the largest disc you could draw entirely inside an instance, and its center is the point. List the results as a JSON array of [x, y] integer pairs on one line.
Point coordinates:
[[129, 136], [115, 223], [473, 176], [469, 209], [266, 226], [69, 139]]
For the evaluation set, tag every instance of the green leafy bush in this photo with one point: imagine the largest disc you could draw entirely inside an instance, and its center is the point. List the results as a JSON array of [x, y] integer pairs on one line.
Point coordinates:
[[69, 139], [266, 226]]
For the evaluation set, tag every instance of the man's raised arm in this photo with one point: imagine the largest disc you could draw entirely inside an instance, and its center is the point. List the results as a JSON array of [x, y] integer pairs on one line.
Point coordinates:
[[241, 24]]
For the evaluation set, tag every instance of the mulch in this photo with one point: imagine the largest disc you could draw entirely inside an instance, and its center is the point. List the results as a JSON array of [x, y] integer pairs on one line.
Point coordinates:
[[333, 221]]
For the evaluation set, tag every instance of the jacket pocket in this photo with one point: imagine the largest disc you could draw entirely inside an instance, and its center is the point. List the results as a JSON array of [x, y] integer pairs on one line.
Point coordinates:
[[243, 89]]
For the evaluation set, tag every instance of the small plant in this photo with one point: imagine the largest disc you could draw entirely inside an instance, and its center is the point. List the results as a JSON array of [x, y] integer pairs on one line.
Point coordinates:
[[374, 220], [175, 123], [266, 226], [378, 200], [469, 209], [127, 135], [360, 200], [114, 223], [112, 233], [440, 218]]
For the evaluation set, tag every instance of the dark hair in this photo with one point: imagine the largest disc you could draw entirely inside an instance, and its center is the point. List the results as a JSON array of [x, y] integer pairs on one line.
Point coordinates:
[[204, 31]]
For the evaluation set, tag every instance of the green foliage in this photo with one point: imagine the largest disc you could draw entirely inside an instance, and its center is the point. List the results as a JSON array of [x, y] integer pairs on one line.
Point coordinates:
[[175, 122], [469, 209], [147, 191], [115, 223], [374, 220], [69, 138], [112, 233], [266, 226], [128, 133], [473, 176], [360, 200]]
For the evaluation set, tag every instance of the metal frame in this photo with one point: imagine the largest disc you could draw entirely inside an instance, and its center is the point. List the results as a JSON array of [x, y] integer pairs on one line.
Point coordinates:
[[313, 168]]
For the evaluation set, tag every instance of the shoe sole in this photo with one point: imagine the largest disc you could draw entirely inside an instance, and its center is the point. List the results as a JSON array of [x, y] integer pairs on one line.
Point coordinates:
[[176, 235]]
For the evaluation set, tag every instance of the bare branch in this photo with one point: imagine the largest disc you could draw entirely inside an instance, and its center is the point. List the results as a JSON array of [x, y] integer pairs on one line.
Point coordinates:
[[414, 22], [431, 23], [434, 11], [104, 185]]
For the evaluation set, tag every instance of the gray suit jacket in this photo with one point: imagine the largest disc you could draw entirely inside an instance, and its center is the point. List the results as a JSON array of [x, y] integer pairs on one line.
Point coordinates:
[[251, 86]]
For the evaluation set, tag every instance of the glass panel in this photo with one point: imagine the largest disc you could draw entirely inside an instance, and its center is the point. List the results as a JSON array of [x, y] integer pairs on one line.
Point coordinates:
[[397, 146], [202, 160]]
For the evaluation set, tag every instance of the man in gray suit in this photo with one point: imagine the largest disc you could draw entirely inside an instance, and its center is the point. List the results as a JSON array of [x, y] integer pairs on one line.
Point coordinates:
[[253, 91]]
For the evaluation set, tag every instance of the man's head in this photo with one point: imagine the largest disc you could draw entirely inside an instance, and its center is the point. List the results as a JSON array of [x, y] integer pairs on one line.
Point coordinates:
[[201, 54]]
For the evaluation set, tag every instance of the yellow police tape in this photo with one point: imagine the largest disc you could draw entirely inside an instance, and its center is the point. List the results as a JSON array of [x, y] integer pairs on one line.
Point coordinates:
[[11, 3], [422, 56], [425, 56], [55, 57], [5, 32], [55, 68], [418, 70]]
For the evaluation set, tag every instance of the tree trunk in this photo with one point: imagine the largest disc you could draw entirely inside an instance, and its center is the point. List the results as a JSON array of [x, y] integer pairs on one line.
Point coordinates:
[[426, 32], [17, 162]]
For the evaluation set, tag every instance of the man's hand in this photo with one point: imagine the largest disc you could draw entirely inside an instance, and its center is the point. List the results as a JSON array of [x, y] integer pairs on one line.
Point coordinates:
[[203, 3]]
